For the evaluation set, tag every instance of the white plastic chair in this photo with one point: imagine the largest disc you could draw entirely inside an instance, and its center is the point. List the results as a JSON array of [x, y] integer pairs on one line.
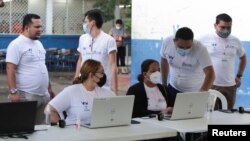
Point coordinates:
[[214, 94]]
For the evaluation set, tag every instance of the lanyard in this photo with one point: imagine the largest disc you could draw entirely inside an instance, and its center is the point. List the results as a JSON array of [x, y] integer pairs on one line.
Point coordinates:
[[91, 46]]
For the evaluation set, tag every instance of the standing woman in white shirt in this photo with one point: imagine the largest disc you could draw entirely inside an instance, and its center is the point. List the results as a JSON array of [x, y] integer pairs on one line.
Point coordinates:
[[76, 100]]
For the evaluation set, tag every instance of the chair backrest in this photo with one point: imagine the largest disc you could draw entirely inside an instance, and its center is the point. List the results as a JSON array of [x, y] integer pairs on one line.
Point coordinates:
[[214, 94]]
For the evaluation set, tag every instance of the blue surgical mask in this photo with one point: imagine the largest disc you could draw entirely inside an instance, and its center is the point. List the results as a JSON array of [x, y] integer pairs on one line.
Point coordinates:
[[224, 33], [183, 52], [85, 29]]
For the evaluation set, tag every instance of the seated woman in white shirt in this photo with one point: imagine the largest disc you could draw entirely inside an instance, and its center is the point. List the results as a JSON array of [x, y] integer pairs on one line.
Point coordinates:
[[76, 100]]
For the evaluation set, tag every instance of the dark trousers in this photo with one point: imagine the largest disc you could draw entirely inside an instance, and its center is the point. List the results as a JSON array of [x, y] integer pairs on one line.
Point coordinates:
[[120, 57], [173, 92]]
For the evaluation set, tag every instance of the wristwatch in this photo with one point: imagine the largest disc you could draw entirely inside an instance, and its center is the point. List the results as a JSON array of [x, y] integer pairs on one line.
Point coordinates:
[[13, 90], [239, 75]]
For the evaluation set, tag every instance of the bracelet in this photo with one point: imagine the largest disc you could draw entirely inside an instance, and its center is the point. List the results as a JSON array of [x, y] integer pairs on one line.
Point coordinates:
[[239, 75]]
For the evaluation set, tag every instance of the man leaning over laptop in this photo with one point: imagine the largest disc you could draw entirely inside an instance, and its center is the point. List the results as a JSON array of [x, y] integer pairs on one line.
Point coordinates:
[[188, 62]]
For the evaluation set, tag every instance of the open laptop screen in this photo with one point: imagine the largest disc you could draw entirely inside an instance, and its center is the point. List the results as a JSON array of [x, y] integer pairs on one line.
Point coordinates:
[[17, 117], [189, 105], [111, 111]]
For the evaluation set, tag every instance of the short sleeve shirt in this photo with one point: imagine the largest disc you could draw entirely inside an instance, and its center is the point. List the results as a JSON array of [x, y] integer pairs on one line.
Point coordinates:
[[186, 72], [98, 49], [223, 52], [77, 101], [31, 73]]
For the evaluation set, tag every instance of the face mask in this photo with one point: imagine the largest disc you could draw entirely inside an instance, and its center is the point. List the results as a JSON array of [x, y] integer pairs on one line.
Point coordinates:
[[85, 29], [183, 52], [118, 27], [102, 80], [155, 77], [224, 33]]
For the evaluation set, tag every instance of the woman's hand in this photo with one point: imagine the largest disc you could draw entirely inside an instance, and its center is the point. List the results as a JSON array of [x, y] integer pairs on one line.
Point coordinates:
[[168, 110]]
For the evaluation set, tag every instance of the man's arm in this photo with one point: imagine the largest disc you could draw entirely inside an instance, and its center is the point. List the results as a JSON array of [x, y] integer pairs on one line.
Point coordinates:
[[241, 68], [164, 70], [11, 77], [51, 93], [125, 35], [209, 78], [78, 66], [112, 62]]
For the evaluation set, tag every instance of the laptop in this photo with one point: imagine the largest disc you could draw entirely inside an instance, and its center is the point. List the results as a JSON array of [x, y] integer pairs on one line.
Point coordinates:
[[189, 105], [17, 117], [111, 111]]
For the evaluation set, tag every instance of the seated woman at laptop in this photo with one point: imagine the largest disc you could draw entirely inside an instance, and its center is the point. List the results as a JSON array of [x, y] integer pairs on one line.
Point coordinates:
[[76, 100], [150, 95]]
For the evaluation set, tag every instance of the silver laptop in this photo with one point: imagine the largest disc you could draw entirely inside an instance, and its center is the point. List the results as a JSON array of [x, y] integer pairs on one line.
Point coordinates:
[[111, 111], [189, 105]]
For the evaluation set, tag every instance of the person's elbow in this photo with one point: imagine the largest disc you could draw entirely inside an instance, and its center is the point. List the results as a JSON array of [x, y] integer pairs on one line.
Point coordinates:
[[54, 115]]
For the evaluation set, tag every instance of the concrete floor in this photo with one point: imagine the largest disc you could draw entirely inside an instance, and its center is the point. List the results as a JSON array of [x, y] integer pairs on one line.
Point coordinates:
[[59, 80]]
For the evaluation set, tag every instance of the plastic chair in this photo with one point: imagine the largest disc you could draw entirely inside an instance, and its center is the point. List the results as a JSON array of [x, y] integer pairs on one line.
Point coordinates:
[[214, 94]]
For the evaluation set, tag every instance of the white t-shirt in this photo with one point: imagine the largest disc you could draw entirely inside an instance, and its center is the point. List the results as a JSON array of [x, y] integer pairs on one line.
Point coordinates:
[[29, 56], [186, 72], [99, 50], [156, 101], [223, 52], [77, 101]]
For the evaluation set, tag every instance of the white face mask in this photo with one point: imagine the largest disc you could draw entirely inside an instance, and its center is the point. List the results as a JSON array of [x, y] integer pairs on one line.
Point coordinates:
[[155, 77], [118, 27]]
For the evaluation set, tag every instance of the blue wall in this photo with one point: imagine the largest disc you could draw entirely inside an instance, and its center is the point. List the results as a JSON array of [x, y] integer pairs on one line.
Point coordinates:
[[144, 49], [49, 41], [141, 50]]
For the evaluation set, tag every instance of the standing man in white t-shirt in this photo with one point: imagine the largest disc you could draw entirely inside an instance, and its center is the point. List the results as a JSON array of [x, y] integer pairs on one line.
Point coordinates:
[[27, 73], [188, 63], [97, 45], [223, 49]]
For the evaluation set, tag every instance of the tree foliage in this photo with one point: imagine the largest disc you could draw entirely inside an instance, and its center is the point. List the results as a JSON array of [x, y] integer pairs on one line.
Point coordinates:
[[108, 7]]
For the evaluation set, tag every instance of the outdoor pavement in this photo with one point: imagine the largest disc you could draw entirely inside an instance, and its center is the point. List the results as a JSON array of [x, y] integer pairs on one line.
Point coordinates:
[[60, 80]]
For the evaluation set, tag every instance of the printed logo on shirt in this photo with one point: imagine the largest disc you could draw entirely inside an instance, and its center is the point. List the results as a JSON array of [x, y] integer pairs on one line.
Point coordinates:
[[229, 46], [86, 105], [28, 52], [171, 58], [186, 65], [214, 44]]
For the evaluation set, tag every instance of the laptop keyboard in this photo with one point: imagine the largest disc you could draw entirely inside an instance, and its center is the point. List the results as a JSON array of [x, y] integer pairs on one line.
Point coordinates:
[[87, 124], [167, 116]]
